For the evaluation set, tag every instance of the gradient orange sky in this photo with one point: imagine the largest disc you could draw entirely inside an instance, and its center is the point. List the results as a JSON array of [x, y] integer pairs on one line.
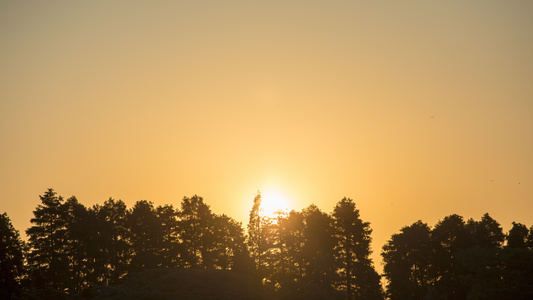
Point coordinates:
[[415, 109]]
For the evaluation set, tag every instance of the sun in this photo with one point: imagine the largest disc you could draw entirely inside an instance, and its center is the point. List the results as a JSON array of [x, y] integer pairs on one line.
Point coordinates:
[[272, 202]]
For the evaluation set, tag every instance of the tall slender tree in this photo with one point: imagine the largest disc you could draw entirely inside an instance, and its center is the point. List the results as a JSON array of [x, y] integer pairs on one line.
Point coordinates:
[[255, 234], [48, 260], [80, 236], [355, 271]]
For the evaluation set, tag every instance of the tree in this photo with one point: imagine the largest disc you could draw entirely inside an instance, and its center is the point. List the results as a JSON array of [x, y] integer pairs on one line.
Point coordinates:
[[449, 238], [292, 228], [318, 248], [255, 236], [11, 259], [48, 260], [267, 246], [80, 235], [479, 260], [112, 245], [145, 237], [518, 235], [354, 267], [486, 233], [515, 274], [196, 234], [407, 258], [229, 251], [169, 220]]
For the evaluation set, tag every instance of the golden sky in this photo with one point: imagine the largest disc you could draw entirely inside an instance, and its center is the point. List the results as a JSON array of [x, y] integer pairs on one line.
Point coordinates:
[[415, 109]]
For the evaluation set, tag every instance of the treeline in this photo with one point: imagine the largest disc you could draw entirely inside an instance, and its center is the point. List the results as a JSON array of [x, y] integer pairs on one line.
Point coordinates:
[[460, 260], [98, 252], [110, 251], [72, 249]]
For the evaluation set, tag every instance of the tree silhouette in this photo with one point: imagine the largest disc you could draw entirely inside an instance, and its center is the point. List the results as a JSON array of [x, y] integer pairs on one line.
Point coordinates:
[[479, 261], [461, 261], [291, 229], [48, 261], [518, 235], [196, 233], [112, 246], [318, 248], [255, 234], [354, 267], [170, 240], [145, 237], [11, 259], [229, 248], [78, 245], [107, 252], [407, 258], [449, 237]]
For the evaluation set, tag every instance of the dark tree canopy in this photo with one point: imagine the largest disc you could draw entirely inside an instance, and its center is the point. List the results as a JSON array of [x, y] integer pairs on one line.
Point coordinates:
[[110, 251], [145, 235], [458, 260], [112, 247], [48, 261], [356, 274], [407, 259], [517, 237], [11, 259]]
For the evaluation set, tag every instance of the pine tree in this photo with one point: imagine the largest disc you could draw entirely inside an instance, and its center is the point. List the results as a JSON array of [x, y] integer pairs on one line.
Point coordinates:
[[112, 245], [354, 267], [11, 259], [48, 260], [79, 239], [145, 236], [255, 233], [196, 234]]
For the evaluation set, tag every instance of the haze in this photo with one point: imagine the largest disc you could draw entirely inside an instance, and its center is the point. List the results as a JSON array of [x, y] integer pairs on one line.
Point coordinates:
[[414, 109]]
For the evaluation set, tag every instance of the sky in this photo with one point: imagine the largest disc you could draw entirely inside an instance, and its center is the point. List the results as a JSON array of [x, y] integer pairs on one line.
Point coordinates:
[[414, 109]]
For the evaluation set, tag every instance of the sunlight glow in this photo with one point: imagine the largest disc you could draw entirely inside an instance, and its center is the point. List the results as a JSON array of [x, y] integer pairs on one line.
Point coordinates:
[[272, 202]]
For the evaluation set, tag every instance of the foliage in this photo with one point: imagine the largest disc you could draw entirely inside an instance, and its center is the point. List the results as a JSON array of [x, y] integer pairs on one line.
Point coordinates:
[[111, 246], [111, 252], [11, 259], [407, 258], [459, 260], [356, 275], [48, 260]]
